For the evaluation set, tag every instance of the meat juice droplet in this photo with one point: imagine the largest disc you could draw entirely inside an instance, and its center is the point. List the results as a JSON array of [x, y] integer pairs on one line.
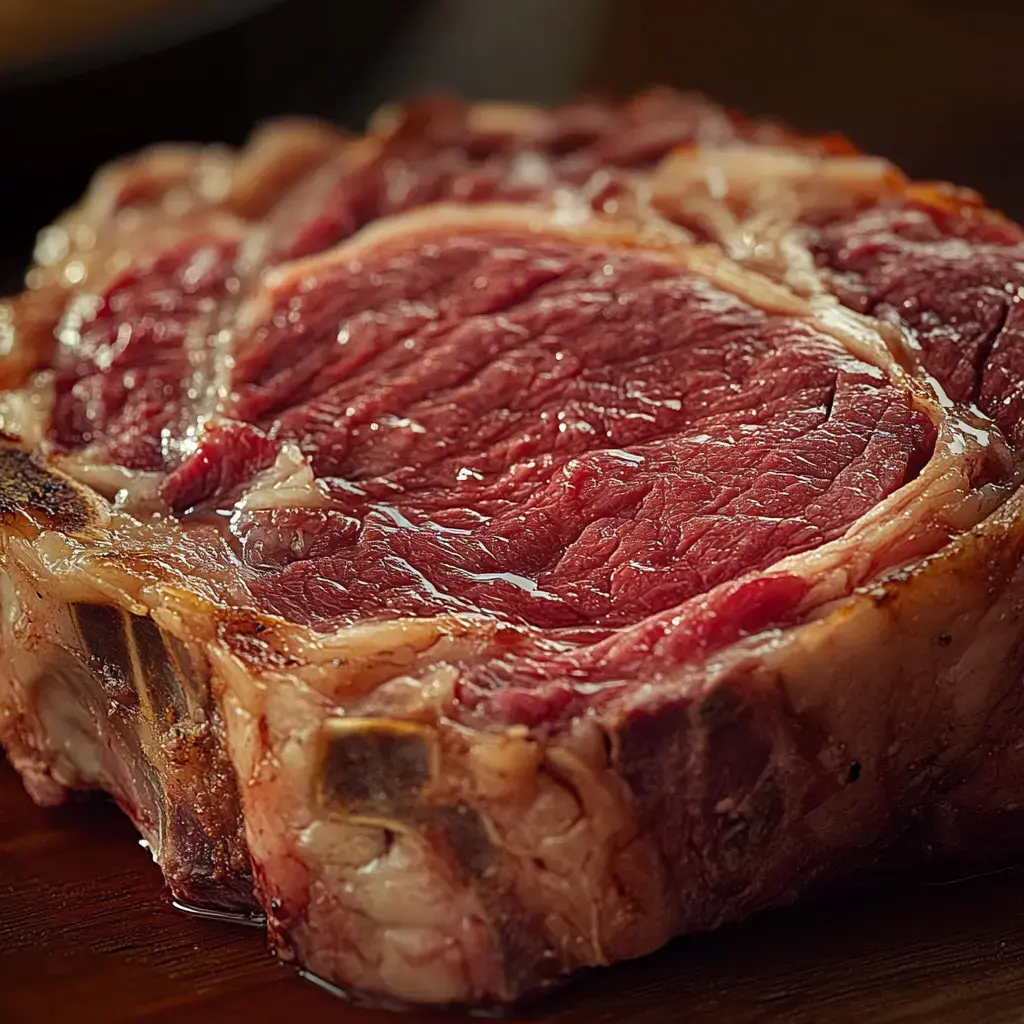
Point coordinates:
[[251, 918]]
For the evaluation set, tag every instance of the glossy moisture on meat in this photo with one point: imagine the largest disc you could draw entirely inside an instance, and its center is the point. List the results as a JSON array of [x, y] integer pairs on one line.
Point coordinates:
[[558, 435]]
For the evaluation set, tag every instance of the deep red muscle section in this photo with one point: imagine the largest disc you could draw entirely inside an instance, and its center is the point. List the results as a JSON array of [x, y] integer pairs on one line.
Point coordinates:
[[124, 379], [123, 375], [441, 153], [227, 456], [559, 435], [545, 683], [581, 440], [953, 277]]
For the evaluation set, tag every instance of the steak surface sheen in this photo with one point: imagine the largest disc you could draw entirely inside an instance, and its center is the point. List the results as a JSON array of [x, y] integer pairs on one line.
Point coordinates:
[[495, 544]]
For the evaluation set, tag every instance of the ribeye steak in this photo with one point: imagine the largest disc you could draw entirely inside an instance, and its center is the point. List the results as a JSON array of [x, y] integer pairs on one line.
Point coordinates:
[[503, 541]]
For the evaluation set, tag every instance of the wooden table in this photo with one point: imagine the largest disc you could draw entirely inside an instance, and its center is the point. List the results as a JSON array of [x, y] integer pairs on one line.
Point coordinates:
[[87, 934]]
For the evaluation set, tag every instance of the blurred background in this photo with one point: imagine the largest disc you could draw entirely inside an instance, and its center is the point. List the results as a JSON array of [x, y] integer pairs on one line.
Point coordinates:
[[934, 84]]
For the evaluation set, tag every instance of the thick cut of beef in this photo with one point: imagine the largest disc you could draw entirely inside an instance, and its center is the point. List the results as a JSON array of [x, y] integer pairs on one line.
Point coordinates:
[[498, 543]]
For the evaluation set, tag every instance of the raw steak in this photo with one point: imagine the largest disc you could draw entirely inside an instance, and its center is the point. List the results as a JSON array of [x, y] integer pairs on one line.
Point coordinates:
[[501, 542]]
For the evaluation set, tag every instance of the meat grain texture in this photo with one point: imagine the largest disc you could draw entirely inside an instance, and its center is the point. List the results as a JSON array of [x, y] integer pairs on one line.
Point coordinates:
[[503, 541]]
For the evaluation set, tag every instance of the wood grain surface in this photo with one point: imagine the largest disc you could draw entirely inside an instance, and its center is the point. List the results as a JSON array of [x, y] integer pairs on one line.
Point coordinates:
[[87, 934]]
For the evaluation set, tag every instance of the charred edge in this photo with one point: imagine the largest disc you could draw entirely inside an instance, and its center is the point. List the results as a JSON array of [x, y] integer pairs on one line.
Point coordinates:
[[132, 661], [201, 870], [376, 766], [101, 630], [149, 676], [193, 673], [527, 962], [156, 670], [719, 752], [648, 741], [248, 637], [27, 487], [466, 836]]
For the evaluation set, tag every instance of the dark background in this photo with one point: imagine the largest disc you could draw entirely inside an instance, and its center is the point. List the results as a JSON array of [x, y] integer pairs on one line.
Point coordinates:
[[86, 932], [936, 85]]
